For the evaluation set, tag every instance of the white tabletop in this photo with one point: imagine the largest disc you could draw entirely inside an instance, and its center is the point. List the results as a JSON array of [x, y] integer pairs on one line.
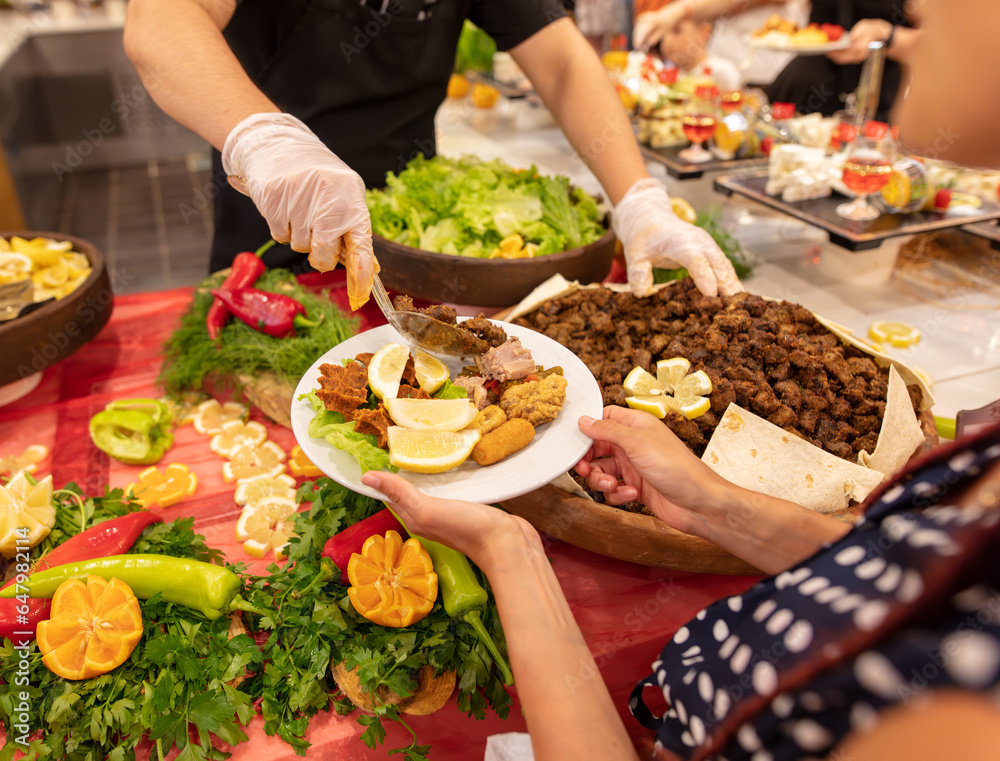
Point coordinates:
[[960, 344]]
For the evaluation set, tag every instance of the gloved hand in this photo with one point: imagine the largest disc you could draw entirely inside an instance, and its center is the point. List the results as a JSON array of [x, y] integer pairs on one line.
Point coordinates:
[[309, 197], [653, 236]]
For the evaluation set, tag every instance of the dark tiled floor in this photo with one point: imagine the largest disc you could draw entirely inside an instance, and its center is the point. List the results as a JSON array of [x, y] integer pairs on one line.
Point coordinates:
[[145, 218]]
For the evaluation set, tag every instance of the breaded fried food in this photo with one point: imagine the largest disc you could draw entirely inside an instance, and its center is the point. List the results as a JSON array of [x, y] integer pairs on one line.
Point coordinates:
[[537, 402], [511, 437], [488, 419], [343, 389]]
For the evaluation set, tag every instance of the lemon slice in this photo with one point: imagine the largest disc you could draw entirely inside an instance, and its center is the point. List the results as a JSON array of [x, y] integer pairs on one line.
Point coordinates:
[[253, 490], [209, 416], [431, 414], [14, 262], [640, 383], [251, 461], [26, 513], [266, 526], [431, 372], [683, 209], [658, 405], [670, 372], [423, 451], [897, 191], [236, 433], [895, 333], [385, 370], [692, 407]]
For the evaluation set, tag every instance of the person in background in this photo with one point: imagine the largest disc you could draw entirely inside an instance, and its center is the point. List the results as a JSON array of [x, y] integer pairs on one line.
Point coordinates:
[[734, 21], [885, 635], [685, 46], [307, 104]]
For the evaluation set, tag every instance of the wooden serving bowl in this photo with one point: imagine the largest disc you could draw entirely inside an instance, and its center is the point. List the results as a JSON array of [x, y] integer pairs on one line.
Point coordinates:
[[619, 534], [54, 331], [485, 282]]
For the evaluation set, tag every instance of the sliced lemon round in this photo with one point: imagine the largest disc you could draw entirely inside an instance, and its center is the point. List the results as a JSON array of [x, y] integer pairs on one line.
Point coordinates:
[[385, 370], [431, 372], [14, 262], [640, 383], [250, 461], [26, 513], [893, 332], [209, 416], [254, 490], [683, 209], [236, 433], [266, 526], [658, 405], [670, 372], [423, 451], [431, 414]]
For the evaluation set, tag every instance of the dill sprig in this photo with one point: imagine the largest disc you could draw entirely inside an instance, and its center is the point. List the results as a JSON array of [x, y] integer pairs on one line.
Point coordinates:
[[192, 359]]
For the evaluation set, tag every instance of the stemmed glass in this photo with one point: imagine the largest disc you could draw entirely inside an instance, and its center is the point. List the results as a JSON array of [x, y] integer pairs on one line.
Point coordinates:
[[700, 118], [867, 166]]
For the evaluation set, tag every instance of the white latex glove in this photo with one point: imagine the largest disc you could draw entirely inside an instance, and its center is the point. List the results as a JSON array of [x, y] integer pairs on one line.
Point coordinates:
[[653, 236], [649, 27], [309, 197]]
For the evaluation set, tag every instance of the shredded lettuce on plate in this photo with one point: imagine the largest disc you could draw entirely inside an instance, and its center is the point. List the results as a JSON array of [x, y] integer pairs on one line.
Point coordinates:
[[467, 206]]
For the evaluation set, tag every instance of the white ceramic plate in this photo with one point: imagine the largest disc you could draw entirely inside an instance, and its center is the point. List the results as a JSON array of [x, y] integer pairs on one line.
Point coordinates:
[[784, 44], [556, 448]]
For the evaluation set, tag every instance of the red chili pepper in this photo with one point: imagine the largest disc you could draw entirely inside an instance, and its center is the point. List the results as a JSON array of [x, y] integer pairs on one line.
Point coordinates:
[[272, 313], [341, 546], [247, 268], [114, 537]]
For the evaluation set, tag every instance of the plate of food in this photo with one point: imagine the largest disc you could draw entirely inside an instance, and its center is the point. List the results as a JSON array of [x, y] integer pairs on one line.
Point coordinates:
[[815, 39], [526, 381]]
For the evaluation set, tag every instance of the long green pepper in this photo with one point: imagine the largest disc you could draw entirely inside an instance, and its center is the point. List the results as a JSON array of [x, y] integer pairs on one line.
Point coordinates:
[[462, 594], [210, 589]]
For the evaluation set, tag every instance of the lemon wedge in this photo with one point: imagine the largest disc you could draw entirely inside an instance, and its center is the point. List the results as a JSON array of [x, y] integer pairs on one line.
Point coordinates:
[[672, 388], [899, 334], [431, 414], [658, 405], [430, 371], [423, 451], [683, 209], [267, 525], [385, 370], [26, 513]]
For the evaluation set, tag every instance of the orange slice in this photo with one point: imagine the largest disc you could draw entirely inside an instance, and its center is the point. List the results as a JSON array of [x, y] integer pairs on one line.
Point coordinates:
[[209, 416], [236, 433], [27, 461], [94, 627], [251, 461], [392, 582], [300, 465], [164, 489]]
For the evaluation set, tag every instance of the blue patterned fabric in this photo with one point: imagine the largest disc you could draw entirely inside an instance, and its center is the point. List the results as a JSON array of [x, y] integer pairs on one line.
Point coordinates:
[[905, 602]]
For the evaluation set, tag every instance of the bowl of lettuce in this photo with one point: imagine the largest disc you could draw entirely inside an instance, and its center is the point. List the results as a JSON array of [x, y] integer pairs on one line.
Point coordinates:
[[437, 227]]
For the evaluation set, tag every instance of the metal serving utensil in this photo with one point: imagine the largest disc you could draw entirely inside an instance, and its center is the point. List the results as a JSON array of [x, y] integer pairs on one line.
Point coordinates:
[[14, 297], [429, 334]]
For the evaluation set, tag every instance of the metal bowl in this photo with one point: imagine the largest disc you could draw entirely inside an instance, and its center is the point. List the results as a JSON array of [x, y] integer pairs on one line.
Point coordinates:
[[57, 329], [486, 282]]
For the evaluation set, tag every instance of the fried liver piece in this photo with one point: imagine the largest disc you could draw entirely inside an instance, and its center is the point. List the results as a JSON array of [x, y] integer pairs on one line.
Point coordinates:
[[771, 357], [537, 402]]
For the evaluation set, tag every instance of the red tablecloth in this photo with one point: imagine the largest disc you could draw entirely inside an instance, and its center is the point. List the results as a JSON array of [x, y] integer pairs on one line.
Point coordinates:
[[627, 612]]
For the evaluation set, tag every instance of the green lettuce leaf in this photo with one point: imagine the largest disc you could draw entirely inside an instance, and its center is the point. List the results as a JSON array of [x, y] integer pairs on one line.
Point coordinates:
[[330, 425], [450, 391]]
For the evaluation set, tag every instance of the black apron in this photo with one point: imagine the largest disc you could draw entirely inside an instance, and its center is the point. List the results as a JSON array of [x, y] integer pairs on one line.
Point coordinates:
[[817, 84], [367, 80]]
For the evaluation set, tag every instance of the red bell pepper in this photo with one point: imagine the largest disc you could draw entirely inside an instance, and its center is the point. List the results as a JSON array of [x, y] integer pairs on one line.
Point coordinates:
[[274, 314], [114, 537], [247, 268], [341, 546]]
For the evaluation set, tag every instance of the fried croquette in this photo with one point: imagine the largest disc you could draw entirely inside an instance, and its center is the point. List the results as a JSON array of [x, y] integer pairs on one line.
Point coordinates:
[[511, 437]]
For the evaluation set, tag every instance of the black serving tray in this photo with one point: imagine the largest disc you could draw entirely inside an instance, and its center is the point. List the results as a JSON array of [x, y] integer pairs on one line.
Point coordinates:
[[849, 234], [685, 170], [989, 230]]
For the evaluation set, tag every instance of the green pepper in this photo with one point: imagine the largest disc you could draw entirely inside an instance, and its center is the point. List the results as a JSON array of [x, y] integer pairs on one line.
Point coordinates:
[[462, 594], [133, 431], [211, 589]]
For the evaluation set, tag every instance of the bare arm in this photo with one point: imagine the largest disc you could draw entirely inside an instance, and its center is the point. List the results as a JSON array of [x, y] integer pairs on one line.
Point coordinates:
[[570, 78], [652, 25], [955, 70], [183, 60], [568, 708], [877, 30]]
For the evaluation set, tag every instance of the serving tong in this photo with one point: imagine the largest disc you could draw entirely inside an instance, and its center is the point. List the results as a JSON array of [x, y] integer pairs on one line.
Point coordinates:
[[431, 335], [17, 299]]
